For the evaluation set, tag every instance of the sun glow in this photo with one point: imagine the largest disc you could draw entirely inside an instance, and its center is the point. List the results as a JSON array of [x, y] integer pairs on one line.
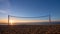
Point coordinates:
[[11, 22]]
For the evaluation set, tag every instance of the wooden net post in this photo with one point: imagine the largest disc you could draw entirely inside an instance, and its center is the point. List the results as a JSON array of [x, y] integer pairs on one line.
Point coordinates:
[[49, 18], [8, 19]]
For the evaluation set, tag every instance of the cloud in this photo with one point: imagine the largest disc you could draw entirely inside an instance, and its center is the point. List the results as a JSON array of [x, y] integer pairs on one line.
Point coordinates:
[[5, 6], [3, 11]]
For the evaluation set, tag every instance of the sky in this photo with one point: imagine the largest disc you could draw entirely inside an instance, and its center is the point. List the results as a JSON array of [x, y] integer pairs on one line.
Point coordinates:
[[30, 8]]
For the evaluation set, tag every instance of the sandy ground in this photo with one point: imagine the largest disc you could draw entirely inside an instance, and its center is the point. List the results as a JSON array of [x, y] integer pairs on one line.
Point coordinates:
[[30, 29]]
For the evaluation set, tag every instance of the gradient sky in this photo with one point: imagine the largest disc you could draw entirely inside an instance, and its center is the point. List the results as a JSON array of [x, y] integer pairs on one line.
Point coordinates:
[[30, 8]]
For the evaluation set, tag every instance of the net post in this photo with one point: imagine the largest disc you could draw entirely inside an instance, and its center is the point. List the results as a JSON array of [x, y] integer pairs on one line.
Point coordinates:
[[8, 20], [49, 18]]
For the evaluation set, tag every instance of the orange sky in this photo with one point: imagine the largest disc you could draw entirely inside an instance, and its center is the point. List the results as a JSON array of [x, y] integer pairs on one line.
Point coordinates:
[[15, 20], [5, 20]]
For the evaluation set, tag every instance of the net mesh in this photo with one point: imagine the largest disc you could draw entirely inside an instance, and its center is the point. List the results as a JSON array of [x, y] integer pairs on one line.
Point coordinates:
[[20, 20]]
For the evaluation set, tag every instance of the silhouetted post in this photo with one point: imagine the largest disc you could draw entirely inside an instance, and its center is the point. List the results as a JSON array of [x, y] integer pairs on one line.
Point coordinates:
[[8, 20], [49, 18]]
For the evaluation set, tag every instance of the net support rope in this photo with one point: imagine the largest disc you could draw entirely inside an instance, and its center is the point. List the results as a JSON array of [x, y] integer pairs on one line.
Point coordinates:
[[29, 17]]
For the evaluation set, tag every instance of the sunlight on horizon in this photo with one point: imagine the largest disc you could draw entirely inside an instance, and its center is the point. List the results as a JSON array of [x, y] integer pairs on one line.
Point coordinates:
[[11, 22], [14, 20], [17, 21]]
